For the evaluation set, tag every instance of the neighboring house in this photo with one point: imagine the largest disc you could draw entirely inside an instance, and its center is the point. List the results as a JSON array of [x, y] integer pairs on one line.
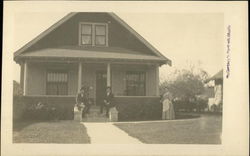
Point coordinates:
[[93, 49], [217, 100], [203, 99]]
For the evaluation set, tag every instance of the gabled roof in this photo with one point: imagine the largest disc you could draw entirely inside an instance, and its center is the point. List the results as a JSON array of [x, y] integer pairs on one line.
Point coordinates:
[[70, 15], [43, 34], [217, 76]]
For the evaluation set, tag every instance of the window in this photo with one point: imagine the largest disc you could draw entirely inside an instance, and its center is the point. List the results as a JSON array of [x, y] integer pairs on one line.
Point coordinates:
[[93, 34], [100, 35], [135, 83], [86, 34], [57, 83]]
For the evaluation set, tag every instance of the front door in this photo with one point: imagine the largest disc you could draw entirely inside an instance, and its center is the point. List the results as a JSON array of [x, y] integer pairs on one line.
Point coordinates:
[[101, 84]]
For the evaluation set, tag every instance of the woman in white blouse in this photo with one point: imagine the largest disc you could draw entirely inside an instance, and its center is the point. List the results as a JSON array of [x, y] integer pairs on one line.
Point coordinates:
[[168, 108]]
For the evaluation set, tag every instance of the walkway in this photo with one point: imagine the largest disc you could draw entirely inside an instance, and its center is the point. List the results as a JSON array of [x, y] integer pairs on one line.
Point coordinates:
[[107, 133]]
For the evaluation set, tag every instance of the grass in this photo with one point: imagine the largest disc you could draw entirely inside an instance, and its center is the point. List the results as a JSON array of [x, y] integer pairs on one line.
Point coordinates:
[[203, 130], [49, 132]]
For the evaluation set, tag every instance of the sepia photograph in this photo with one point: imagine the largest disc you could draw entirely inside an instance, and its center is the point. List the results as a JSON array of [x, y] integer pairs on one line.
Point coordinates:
[[92, 78], [119, 77]]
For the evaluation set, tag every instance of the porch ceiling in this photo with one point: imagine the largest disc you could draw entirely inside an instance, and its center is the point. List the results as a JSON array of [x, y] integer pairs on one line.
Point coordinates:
[[90, 54]]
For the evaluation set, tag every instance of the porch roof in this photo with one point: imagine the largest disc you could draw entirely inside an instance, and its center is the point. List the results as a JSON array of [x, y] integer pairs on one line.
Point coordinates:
[[96, 54]]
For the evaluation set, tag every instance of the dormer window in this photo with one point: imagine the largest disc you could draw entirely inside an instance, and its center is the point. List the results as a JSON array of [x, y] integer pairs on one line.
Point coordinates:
[[93, 34]]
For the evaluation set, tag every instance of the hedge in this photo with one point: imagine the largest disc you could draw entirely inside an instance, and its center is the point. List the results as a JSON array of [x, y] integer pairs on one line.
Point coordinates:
[[43, 107], [138, 108], [49, 107]]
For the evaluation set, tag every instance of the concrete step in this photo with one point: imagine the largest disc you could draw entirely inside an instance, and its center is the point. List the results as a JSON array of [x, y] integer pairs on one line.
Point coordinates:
[[94, 115], [95, 118]]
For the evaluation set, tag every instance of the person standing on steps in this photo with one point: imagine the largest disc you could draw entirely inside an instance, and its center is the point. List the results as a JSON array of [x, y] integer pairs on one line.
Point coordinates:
[[108, 100]]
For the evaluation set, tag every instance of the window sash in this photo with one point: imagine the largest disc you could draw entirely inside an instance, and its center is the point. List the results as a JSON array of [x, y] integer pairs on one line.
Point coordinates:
[[87, 43], [57, 83], [96, 37], [135, 83], [86, 34]]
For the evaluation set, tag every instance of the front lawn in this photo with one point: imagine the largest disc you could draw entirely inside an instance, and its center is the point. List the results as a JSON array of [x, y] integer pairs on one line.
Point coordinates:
[[203, 130], [49, 132]]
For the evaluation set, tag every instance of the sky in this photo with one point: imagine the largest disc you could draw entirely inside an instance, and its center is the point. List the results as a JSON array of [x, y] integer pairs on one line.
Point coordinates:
[[184, 38]]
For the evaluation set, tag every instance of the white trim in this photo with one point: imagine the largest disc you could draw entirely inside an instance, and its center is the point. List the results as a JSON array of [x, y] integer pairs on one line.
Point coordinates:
[[79, 76], [108, 75], [157, 79], [25, 72]]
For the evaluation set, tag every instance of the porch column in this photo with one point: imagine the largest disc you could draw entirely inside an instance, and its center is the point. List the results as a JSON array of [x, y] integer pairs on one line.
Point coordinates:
[[79, 76], [25, 75], [157, 79], [108, 75]]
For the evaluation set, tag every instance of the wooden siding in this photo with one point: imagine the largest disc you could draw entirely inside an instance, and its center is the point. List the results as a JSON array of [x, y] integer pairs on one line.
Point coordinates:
[[36, 82], [118, 82], [37, 77], [151, 81], [70, 28], [119, 74], [72, 84]]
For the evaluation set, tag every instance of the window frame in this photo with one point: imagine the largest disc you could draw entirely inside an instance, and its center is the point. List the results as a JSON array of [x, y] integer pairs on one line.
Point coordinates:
[[93, 34], [57, 83], [144, 83]]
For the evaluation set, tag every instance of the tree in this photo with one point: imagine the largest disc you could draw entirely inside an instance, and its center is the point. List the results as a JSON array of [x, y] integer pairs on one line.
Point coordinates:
[[185, 85]]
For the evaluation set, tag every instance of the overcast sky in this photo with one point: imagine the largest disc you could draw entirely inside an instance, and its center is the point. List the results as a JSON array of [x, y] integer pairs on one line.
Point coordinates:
[[183, 38]]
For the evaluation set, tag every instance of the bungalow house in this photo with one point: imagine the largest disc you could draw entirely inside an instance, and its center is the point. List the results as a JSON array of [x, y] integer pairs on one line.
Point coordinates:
[[215, 103], [96, 49]]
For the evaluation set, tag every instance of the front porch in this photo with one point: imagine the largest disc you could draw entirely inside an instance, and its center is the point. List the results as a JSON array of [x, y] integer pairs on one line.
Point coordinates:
[[56, 83], [66, 78]]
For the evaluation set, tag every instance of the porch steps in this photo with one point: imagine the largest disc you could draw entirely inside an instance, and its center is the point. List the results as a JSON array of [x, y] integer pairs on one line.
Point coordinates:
[[95, 116]]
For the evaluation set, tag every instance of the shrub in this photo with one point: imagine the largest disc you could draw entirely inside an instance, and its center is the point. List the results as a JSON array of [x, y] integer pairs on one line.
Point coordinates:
[[184, 105], [43, 107], [138, 108], [18, 108], [41, 111], [201, 104], [216, 108]]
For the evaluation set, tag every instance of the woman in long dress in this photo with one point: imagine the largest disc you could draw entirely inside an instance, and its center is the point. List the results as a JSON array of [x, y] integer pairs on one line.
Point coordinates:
[[168, 108]]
